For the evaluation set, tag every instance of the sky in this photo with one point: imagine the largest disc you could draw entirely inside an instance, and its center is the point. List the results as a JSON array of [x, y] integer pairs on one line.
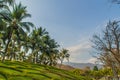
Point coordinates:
[[72, 23]]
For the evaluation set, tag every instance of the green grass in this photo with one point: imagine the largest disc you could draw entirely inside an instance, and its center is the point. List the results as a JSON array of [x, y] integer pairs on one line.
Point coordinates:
[[26, 71]]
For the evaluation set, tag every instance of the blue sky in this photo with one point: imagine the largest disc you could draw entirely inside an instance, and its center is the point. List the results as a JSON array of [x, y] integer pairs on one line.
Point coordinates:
[[73, 22]]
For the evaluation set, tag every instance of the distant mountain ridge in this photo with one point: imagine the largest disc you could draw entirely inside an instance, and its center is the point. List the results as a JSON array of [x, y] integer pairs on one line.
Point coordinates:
[[82, 65], [65, 67]]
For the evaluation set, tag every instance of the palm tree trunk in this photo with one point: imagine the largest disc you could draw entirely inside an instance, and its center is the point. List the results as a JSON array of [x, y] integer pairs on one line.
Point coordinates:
[[61, 63], [35, 58], [11, 56], [6, 50], [9, 39]]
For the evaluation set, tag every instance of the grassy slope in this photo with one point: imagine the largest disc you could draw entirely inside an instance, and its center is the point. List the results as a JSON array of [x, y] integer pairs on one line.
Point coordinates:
[[26, 71]]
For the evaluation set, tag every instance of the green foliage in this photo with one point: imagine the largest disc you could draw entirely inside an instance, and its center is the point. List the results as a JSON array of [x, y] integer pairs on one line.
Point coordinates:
[[96, 74], [95, 68], [77, 71], [83, 72]]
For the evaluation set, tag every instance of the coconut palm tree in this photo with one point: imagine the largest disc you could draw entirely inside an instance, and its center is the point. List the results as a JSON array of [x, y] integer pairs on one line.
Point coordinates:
[[53, 52], [15, 45], [49, 51], [15, 25], [36, 41], [63, 54]]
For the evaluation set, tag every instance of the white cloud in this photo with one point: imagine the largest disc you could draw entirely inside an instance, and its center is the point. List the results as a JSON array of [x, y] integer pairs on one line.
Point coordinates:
[[85, 45], [92, 60], [80, 53]]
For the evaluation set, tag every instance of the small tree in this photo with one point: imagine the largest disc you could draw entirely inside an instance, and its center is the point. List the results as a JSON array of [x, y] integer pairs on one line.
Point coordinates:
[[95, 68], [62, 55]]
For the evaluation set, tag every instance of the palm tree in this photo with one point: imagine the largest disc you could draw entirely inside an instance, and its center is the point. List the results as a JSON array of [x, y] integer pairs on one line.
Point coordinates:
[[49, 51], [53, 58], [15, 25], [15, 44], [63, 54], [36, 40], [53, 52]]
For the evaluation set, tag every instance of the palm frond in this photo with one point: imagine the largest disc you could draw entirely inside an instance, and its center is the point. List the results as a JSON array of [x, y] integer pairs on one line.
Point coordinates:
[[10, 2], [25, 16], [25, 26], [3, 3], [19, 11], [5, 15], [21, 31]]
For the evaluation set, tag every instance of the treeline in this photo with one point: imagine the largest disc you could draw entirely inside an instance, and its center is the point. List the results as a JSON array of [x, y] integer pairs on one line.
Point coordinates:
[[22, 41]]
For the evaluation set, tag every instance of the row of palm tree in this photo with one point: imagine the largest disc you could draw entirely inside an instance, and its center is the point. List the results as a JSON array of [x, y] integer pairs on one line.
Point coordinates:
[[21, 40]]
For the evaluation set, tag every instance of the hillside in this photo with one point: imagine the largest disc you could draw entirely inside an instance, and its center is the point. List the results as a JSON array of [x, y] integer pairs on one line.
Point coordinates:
[[27, 71], [65, 67]]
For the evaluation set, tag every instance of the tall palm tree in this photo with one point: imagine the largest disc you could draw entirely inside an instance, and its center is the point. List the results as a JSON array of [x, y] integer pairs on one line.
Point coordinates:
[[53, 52], [36, 41], [15, 46], [25, 45], [49, 51], [63, 54], [15, 24]]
